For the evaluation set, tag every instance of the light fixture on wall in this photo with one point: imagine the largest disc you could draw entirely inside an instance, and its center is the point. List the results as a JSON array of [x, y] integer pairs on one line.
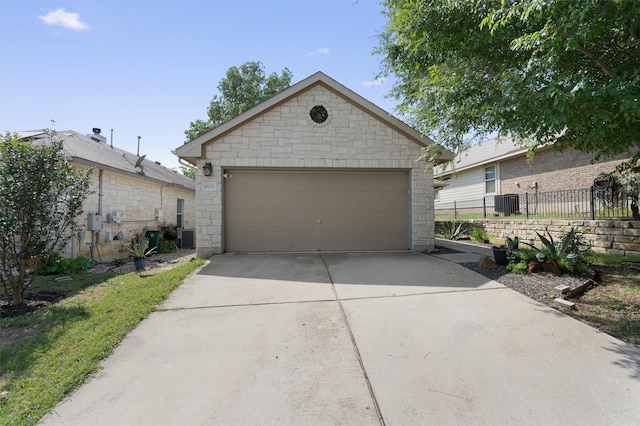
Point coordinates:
[[207, 169]]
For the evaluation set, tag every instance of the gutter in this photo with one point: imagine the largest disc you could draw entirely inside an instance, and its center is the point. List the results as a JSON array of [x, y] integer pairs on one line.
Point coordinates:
[[102, 167]]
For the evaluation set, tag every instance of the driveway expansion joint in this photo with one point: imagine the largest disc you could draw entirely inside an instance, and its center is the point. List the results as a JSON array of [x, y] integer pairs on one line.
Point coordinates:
[[241, 305], [355, 345]]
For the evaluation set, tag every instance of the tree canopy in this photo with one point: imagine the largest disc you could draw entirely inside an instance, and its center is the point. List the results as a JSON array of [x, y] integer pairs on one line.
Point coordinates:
[[566, 72], [41, 195], [242, 88]]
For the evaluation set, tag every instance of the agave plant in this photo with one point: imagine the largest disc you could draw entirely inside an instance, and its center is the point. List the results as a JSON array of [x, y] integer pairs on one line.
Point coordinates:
[[139, 248], [556, 250], [452, 231]]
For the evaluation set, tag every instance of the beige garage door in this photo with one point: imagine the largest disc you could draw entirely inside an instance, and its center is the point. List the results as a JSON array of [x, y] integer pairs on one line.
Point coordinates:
[[315, 210]]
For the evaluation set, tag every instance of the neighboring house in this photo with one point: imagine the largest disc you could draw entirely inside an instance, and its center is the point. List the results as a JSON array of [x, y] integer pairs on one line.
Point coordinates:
[[131, 195], [316, 167], [499, 166]]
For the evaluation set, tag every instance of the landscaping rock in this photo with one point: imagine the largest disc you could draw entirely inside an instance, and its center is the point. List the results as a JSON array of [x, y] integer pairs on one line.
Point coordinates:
[[486, 262], [564, 303], [534, 267], [551, 266]]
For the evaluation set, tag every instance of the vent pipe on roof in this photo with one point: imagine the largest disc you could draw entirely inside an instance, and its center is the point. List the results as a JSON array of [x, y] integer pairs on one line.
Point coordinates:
[[138, 153], [111, 138], [96, 136]]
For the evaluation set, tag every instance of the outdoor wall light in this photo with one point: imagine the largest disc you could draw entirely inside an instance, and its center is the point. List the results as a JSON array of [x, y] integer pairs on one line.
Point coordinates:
[[207, 169]]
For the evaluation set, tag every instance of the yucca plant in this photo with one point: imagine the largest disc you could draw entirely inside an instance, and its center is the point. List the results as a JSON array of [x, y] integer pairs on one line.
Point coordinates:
[[139, 248]]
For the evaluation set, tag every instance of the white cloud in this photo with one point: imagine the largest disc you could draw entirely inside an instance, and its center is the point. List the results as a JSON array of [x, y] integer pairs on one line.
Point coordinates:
[[376, 82], [323, 51], [64, 19]]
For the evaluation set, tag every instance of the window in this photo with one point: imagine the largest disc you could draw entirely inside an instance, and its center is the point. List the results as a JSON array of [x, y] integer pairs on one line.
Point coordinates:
[[180, 211], [490, 179], [436, 194]]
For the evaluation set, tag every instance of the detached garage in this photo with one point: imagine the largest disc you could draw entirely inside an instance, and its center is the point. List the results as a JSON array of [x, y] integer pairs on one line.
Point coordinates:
[[315, 168]]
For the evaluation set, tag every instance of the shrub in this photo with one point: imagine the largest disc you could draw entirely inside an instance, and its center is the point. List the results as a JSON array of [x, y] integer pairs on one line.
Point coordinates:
[[479, 235], [569, 242], [167, 246], [62, 266], [451, 231]]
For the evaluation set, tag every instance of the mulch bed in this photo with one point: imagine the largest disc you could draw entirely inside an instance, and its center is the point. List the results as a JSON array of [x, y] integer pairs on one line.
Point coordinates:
[[33, 301], [539, 286]]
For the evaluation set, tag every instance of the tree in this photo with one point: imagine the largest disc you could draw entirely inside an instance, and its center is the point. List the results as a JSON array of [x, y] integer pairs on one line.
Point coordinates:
[[243, 88], [189, 172], [566, 72], [40, 196]]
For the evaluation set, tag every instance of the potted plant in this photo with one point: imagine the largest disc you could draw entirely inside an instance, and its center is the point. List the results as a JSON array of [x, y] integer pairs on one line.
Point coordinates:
[[512, 243], [500, 255], [139, 251]]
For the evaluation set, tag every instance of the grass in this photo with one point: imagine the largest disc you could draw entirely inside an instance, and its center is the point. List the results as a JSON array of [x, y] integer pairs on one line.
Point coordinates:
[[613, 306], [65, 342], [610, 259]]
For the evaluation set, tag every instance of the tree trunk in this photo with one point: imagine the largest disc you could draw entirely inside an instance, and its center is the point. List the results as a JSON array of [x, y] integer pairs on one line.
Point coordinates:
[[18, 296]]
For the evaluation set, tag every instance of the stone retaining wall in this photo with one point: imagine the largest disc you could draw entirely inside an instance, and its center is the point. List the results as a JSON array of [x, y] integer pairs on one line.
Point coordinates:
[[605, 236]]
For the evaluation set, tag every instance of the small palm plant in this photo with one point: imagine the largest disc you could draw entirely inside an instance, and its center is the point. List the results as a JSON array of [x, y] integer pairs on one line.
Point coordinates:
[[139, 248]]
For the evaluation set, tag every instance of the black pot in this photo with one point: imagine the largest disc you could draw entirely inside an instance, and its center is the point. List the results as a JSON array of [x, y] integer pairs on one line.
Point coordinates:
[[500, 255]]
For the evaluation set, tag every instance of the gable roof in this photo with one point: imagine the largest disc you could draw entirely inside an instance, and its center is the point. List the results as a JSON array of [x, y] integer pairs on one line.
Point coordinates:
[[193, 150], [486, 152], [94, 152]]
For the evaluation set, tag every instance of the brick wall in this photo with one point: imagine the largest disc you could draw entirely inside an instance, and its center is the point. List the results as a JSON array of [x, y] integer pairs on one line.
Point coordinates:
[[286, 137], [554, 171]]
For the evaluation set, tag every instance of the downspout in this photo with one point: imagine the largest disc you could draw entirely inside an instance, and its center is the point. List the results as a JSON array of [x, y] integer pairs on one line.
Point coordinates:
[[100, 191], [100, 206]]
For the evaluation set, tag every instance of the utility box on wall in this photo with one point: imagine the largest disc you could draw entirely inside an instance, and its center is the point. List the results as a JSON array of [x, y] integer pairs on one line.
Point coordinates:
[[94, 222], [114, 217], [159, 215]]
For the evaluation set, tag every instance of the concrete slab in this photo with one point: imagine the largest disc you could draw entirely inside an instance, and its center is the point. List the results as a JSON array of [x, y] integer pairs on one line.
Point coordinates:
[[468, 252], [460, 257], [230, 280], [491, 358], [358, 275], [279, 364], [263, 340]]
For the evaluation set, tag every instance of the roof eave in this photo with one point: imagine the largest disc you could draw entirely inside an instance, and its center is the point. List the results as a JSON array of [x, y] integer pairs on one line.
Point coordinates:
[[100, 166]]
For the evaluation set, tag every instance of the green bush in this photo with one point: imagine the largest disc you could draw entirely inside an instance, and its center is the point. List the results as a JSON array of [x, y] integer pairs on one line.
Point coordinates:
[[479, 235], [66, 266], [569, 242], [168, 246]]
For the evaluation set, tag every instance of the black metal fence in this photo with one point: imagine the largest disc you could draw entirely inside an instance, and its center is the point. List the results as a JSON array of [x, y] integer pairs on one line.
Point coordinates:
[[589, 203]]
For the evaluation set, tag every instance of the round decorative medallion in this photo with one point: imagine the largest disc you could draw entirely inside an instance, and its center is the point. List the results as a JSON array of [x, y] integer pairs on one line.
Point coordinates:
[[319, 114]]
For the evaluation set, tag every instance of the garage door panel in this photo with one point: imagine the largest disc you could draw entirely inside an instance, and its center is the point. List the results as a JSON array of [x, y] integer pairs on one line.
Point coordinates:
[[302, 211]]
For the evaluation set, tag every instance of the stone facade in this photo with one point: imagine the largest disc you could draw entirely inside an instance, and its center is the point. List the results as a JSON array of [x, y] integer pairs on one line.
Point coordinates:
[[605, 236], [138, 200], [285, 137]]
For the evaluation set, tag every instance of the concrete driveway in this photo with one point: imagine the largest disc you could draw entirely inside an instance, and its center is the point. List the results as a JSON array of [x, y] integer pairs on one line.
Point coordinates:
[[357, 339]]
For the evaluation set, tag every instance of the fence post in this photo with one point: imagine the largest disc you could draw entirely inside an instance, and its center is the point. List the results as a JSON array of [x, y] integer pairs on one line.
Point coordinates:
[[592, 203], [484, 207], [455, 210], [526, 205]]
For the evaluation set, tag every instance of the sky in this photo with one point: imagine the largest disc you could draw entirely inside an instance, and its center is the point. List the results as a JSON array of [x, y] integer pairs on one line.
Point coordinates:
[[149, 67]]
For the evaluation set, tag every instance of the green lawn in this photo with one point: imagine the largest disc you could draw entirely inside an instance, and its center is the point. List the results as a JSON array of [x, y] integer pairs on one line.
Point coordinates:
[[59, 347]]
